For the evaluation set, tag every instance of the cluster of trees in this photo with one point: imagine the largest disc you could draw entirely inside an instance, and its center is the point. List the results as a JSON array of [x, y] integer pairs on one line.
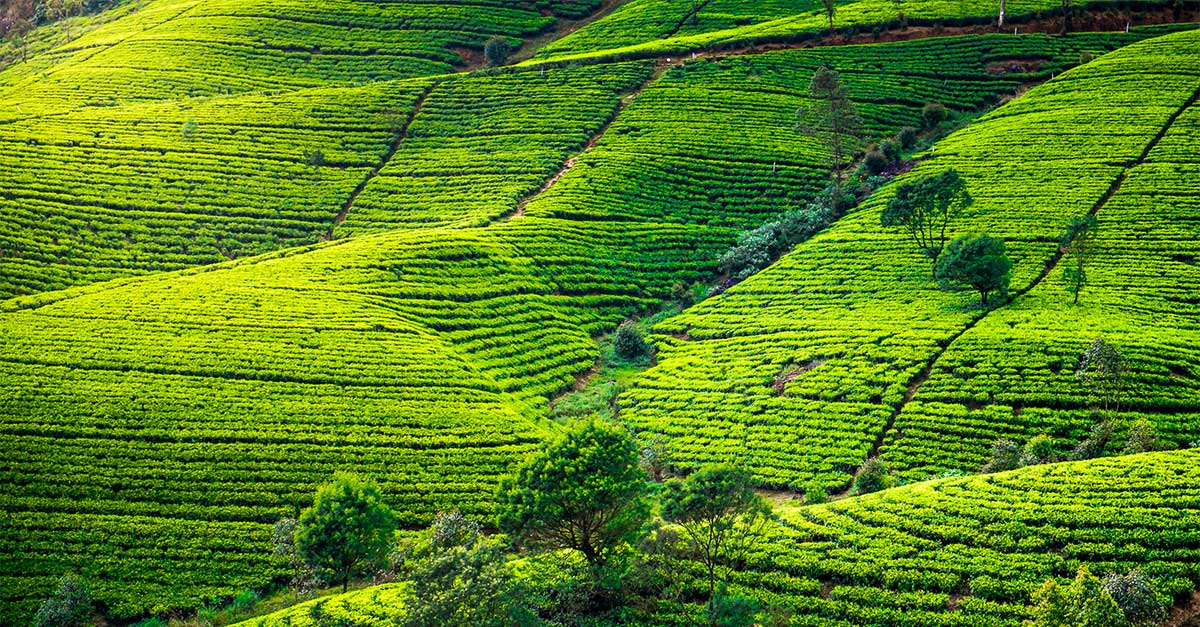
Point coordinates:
[[19, 17], [584, 510], [1119, 600]]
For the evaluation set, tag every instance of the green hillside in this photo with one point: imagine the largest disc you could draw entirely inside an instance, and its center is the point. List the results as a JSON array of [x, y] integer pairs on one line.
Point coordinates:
[[253, 243], [936, 380], [963, 551]]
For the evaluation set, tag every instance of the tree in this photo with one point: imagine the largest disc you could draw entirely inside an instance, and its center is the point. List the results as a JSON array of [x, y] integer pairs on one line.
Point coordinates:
[[347, 531], [834, 121], [496, 51], [583, 491], [721, 516], [1102, 368], [1078, 245], [830, 7], [63, 9], [19, 18], [933, 113], [873, 477], [654, 458], [1136, 597], [924, 209], [1084, 603], [900, 13], [283, 536], [461, 577], [628, 342], [1067, 8], [977, 262], [1000, 21], [69, 606], [1006, 455]]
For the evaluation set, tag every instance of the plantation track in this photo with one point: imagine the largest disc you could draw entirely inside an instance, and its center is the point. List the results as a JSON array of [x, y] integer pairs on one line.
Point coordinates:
[[401, 133], [915, 384]]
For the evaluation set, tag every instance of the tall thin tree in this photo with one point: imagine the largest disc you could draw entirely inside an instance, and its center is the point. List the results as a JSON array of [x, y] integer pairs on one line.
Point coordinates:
[[834, 121]]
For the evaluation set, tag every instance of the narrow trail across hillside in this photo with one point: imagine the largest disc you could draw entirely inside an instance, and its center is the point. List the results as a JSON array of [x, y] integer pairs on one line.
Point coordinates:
[[401, 134], [567, 165], [530, 46], [915, 384]]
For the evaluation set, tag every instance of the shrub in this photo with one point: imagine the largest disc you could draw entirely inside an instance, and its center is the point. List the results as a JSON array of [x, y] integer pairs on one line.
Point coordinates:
[[628, 343], [1038, 450], [907, 137], [933, 113], [873, 477], [1006, 455], [496, 51], [1143, 438], [814, 493], [1086, 57], [69, 606], [1136, 597], [245, 600], [314, 157], [875, 161], [189, 129]]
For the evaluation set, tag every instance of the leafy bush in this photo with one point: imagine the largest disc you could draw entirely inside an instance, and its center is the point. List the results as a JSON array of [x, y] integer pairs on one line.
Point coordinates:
[[1143, 438], [907, 137], [69, 606], [496, 51], [873, 477], [628, 342], [875, 161], [1135, 595], [1006, 455], [933, 113], [814, 493]]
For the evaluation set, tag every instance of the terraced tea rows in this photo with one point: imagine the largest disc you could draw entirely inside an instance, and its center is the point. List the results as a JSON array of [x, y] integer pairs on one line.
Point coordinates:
[[110, 192], [655, 28], [955, 552], [171, 49], [847, 323]]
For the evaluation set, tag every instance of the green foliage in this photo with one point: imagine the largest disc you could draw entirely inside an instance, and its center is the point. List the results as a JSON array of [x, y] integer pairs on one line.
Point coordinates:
[[1084, 603], [461, 577], [348, 530], [933, 113], [1079, 244], [814, 493], [628, 341], [69, 606], [496, 51], [722, 518], [875, 161], [1143, 437], [756, 249], [833, 120], [873, 476], [1134, 593], [977, 262], [189, 129], [1102, 368], [923, 209], [1006, 455], [583, 491]]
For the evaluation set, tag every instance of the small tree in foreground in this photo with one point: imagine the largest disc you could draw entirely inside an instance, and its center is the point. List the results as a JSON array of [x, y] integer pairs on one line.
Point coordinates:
[[69, 606], [1136, 597], [924, 209], [348, 530], [873, 477], [628, 341], [1084, 603], [977, 262], [722, 519], [1078, 244], [461, 577], [496, 51], [583, 491]]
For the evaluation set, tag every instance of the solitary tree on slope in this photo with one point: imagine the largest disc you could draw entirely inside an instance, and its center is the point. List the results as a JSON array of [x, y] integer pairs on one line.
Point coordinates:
[[347, 531], [834, 121], [924, 208]]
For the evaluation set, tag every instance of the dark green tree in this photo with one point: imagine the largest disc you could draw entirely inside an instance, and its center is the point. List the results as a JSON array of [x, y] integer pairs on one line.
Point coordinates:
[[976, 262], [924, 209], [834, 121], [1102, 367], [873, 476], [459, 576], [583, 491], [348, 530], [69, 606], [830, 7], [496, 51], [1006, 455], [1135, 595], [1078, 243], [722, 519], [1084, 603], [628, 342]]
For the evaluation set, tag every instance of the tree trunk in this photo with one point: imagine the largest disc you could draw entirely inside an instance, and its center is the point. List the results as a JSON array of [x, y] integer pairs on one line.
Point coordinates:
[[1003, 6], [345, 582]]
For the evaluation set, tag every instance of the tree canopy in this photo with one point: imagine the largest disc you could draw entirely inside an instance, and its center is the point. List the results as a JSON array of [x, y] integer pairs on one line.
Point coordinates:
[[924, 209], [347, 531], [584, 491], [977, 262]]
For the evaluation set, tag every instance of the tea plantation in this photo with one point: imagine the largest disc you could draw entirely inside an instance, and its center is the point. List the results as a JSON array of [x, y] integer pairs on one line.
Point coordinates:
[[249, 244]]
